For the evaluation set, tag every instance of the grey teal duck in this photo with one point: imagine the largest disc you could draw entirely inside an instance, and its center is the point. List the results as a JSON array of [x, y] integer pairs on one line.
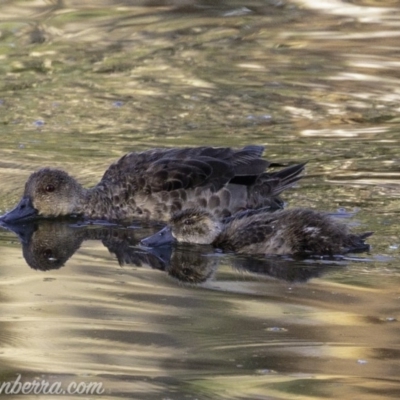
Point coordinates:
[[155, 183], [287, 232]]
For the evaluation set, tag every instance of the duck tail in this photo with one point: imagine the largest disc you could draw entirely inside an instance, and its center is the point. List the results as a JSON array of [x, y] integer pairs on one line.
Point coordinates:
[[357, 243], [267, 187], [287, 177]]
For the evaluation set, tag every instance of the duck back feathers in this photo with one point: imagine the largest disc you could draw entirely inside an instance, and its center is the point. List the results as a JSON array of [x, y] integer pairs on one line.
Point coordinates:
[[292, 231], [171, 169]]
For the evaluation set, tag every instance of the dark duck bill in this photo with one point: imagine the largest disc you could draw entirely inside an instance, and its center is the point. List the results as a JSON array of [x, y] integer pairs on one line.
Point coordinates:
[[160, 238], [22, 212]]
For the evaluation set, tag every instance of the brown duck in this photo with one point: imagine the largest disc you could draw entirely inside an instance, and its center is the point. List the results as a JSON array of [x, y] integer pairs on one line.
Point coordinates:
[[292, 231], [155, 183]]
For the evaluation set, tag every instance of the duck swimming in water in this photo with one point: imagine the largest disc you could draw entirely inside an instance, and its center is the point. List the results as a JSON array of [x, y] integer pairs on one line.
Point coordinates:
[[156, 183], [299, 232]]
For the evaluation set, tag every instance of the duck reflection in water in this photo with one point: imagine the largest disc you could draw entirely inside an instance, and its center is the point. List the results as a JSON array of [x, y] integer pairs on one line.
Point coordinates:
[[48, 245]]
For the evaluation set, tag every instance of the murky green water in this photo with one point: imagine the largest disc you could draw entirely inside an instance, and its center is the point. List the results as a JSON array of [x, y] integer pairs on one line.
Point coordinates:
[[84, 82]]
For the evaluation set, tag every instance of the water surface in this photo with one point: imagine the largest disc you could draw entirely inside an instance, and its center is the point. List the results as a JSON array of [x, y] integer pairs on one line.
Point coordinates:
[[318, 81]]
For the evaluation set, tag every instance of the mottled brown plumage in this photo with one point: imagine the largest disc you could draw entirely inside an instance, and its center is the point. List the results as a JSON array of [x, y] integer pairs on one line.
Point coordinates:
[[156, 183], [293, 231]]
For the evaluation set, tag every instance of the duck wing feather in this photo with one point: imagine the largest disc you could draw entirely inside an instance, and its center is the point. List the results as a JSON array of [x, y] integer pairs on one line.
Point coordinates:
[[170, 169], [246, 230], [175, 174]]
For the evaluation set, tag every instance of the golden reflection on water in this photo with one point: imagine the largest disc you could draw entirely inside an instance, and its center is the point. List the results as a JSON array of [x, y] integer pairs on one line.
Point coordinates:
[[84, 83]]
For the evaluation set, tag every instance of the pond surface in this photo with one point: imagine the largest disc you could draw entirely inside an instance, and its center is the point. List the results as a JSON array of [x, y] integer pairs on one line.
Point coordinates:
[[311, 80]]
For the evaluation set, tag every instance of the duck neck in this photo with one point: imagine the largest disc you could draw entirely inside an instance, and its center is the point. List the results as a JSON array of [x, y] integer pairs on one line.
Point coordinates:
[[224, 238], [95, 202], [215, 232]]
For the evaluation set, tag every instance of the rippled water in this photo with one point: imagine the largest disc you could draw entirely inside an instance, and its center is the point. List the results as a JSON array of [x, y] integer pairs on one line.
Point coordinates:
[[84, 82]]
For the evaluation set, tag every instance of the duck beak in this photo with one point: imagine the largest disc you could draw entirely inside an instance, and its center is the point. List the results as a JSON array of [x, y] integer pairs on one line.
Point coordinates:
[[23, 231], [158, 239], [23, 211]]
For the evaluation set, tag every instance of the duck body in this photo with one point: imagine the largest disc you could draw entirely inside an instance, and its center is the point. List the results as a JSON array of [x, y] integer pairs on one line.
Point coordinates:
[[287, 232], [156, 183]]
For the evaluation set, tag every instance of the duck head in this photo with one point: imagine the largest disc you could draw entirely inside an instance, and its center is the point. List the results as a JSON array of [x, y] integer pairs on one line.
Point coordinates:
[[191, 226], [48, 193]]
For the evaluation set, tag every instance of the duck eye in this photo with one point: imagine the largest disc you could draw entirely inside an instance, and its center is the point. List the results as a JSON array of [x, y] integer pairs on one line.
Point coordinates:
[[49, 188], [47, 253], [188, 222]]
